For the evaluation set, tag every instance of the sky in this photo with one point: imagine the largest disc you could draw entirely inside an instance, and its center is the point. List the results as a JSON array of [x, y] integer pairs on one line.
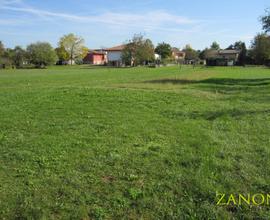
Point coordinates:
[[107, 23]]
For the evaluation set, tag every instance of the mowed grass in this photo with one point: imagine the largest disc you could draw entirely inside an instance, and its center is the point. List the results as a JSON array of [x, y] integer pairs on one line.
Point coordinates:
[[103, 143]]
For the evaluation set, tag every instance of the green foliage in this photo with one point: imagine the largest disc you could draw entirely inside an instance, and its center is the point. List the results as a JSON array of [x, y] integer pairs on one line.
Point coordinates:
[[62, 53], [266, 20], [203, 54], [240, 46], [134, 193], [215, 46], [41, 54], [191, 54], [164, 50], [2, 49], [6, 57], [19, 56], [261, 48], [14, 56], [73, 45], [138, 51], [243, 54]]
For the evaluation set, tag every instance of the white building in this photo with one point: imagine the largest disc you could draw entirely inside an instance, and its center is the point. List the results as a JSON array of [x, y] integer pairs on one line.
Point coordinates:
[[157, 56], [114, 55]]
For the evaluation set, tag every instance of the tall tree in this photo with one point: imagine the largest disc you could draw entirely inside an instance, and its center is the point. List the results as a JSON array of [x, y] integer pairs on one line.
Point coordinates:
[[6, 57], [243, 54], [266, 21], [128, 54], [164, 50], [18, 56], [41, 54], [191, 54], [146, 52], [73, 45], [215, 46], [2, 49], [261, 48], [62, 53], [138, 51], [83, 53], [240, 46], [203, 54]]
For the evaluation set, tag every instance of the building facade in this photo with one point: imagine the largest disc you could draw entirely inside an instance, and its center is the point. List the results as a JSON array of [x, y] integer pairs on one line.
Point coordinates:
[[222, 57], [114, 55], [96, 58]]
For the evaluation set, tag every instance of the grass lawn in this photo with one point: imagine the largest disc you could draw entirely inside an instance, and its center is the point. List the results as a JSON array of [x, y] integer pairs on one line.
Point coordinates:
[[141, 143]]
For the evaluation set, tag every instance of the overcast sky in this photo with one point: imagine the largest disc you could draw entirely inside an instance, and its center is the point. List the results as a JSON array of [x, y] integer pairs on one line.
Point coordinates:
[[106, 23]]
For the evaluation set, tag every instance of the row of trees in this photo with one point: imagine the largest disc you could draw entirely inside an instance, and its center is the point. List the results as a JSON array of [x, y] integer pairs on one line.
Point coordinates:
[[260, 48], [70, 49], [137, 51], [140, 51]]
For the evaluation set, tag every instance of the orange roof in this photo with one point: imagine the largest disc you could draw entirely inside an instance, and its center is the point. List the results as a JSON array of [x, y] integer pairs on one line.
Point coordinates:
[[96, 52], [117, 48]]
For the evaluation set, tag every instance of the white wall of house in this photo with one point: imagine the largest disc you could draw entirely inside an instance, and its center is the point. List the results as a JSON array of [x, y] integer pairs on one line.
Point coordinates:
[[157, 56], [114, 56]]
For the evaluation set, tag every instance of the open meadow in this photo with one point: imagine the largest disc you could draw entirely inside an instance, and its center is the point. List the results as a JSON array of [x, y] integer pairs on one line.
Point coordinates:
[[87, 142]]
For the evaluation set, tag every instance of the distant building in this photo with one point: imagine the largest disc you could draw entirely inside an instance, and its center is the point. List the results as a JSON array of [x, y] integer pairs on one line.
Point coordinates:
[[96, 57], [177, 54], [222, 57], [157, 56], [114, 55]]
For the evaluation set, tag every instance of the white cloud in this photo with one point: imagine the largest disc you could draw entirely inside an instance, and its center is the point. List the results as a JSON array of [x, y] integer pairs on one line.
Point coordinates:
[[13, 22], [154, 20]]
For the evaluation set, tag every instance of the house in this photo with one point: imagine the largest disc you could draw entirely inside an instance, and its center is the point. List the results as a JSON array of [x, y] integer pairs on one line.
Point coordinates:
[[114, 55], [96, 57], [178, 55], [222, 57], [157, 56]]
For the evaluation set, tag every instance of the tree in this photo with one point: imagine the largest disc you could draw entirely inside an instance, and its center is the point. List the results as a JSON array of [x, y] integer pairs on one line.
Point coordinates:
[[191, 54], [203, 54], [73, 45], [240, 46], [79, 58], [261, 48], [243, 55], [18, 56], [6, 57], [14, 57], [62, 54], [145, 52], [2, 49], [215, 46], [138, 51], [231, 47], [266, 21], [164, 50], [41, 54]]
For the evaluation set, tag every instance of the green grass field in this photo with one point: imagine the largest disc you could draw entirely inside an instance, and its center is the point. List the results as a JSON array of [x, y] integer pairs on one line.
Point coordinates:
[[103, 143]]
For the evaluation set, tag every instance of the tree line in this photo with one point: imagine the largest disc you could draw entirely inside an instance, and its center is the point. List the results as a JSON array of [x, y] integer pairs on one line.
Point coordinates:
[[70, 50], [138, 51]]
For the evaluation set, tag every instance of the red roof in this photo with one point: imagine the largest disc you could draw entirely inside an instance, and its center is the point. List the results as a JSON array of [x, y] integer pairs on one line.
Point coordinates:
[[117, 48], [96, 52]]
